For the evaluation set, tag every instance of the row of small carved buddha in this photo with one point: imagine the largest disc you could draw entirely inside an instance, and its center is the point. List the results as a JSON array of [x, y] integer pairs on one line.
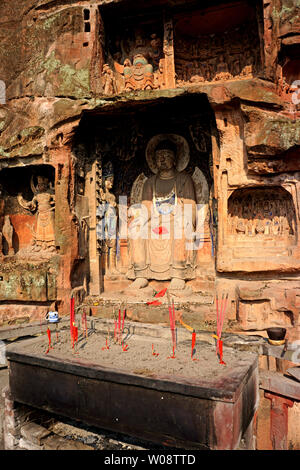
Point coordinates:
[[266, 217], [218, 68]]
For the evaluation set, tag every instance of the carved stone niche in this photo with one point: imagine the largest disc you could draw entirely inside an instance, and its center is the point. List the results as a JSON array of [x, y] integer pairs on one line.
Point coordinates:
[[27, 204], [216, 44], [261, 216], [134, 56]]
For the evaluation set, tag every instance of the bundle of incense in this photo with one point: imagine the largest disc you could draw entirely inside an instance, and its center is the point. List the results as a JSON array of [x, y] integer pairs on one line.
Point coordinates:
[[189, 328], [119, 324], [172, 327], [220, 322], [75, 335], [85, 325], [119, 327], [72, 318]]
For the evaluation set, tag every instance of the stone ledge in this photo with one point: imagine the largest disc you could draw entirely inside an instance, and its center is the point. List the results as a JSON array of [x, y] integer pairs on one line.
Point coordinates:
[[278, 384]]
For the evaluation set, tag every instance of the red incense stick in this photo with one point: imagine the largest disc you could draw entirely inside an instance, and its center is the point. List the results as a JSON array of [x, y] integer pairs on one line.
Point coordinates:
[[106, 345], [124, 314], [119, 321], [115, 331], [49, 339], [72, 316], [220, 322], [193, 346]]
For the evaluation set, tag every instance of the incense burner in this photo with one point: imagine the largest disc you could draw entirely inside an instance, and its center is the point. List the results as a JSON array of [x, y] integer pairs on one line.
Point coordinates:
[[211, 412]]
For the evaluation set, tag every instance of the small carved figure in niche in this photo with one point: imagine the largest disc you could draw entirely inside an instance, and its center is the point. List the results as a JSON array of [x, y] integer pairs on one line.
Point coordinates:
[[138, 71], [107, 228], [235, 66], [290, 218], [222, 70], [7, 233], [108, 80], [241, 226], [139, 75], [234, 209], [44, 202], [212, 65], [275, 218], [197, 74], [247, 61], [260, 224]]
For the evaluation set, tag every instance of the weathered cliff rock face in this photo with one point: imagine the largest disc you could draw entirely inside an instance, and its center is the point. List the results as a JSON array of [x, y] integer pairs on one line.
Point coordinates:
[[76, 72]]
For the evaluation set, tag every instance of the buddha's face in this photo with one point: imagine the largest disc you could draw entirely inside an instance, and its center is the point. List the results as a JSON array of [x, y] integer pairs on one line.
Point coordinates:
[[165, 159], [42, 183]]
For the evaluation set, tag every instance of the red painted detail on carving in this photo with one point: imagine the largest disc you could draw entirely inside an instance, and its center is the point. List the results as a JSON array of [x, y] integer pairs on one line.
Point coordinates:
[[154, 302], [161, 293], [160, 230]]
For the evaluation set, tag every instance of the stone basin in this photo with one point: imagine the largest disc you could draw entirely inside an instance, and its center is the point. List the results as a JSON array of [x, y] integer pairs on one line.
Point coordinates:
[[173, 410]]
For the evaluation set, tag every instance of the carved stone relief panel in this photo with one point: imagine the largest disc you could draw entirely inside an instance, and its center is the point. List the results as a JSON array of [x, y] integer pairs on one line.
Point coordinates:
[[264, 214], [230, 55], [27, 208], [135, 59]]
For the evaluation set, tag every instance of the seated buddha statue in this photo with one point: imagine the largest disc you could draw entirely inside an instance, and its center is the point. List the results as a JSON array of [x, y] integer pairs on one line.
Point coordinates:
[[161, 234]]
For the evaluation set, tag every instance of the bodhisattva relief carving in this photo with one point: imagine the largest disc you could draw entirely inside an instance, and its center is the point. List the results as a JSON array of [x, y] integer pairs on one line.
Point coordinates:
[[107, 219], [7, 234], [215, 57], [161, 245], [138, 65], [6, 228], [262, 214], [43, 203]]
